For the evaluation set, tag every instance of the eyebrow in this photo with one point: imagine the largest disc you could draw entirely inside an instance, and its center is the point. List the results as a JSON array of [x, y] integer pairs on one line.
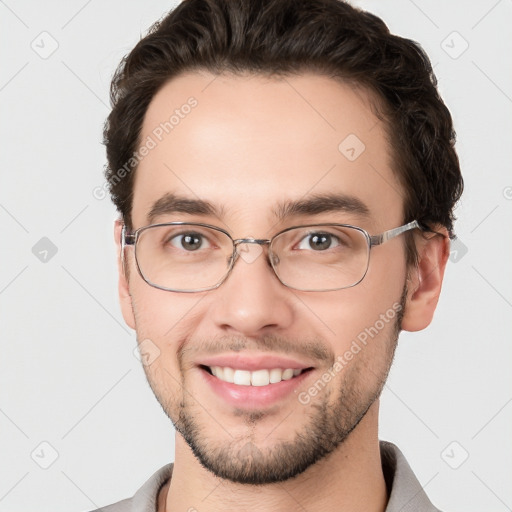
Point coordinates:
[[315, 205], [172, 203], [324, 203]]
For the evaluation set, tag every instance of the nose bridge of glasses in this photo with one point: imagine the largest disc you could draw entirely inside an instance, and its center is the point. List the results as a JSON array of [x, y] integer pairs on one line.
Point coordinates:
[[250, 240], [249, 249]]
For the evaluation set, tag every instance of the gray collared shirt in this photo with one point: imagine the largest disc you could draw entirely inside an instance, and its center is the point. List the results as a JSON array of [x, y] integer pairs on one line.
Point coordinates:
[[405, 492]]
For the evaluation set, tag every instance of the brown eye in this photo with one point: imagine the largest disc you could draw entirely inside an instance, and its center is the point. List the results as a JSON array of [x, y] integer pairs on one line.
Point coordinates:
[[318, 242], [189, 241]]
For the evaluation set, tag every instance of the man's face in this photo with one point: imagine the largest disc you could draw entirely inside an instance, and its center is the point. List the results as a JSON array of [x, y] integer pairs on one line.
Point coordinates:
[[249, 148]]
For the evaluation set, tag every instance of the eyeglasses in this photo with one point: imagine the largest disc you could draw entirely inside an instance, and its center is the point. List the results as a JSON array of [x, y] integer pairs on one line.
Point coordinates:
[[195, 257]]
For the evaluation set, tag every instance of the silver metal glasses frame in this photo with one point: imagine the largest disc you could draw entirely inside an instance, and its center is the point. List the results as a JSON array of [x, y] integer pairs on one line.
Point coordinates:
[[130, 239]]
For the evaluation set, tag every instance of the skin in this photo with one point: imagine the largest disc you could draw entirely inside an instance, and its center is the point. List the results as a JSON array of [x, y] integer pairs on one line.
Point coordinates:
[[251, 143]]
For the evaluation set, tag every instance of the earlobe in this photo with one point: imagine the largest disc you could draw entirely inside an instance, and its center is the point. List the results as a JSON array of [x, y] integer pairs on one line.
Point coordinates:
[[125, 299], [425, 281]]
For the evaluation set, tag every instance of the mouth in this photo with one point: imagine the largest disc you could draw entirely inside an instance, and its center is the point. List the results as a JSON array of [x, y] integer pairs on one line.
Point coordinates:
[[253, 381], [257, 378]]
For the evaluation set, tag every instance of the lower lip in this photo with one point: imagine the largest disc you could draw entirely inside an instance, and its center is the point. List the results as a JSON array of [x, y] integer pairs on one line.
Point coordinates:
[[249, 397]]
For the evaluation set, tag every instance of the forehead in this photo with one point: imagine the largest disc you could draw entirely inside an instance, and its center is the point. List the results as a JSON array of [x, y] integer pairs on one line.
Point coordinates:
[[248, 143]]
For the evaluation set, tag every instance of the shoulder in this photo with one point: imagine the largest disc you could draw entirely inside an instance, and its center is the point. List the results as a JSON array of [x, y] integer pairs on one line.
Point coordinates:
[[406, 494], [120, 506], [145, 499]]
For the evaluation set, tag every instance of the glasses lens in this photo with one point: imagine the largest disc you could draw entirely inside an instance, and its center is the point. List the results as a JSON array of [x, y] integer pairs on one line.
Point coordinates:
[[321, 258], [183, 257]]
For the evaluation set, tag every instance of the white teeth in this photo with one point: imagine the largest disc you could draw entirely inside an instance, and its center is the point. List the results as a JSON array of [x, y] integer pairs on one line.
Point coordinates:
[[255, 378], [242, 378], [229, 375], [260, 378], [287, 374], [275, 375]]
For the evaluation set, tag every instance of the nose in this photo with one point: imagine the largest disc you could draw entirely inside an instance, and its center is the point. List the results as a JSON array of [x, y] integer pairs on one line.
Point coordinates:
[[252, 301]]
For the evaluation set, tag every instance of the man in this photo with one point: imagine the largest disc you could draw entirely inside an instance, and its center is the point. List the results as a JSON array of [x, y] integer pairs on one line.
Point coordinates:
[[286, 176]]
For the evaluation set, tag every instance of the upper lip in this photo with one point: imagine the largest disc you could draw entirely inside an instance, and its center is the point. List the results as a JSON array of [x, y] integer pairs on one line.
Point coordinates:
[[253, 362]]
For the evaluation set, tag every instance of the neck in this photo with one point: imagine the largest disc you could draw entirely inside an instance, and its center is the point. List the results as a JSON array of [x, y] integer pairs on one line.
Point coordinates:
[[349, 479]]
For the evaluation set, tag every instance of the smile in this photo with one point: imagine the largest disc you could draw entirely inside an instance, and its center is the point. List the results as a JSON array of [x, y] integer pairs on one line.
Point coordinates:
[[249, 380], [262, 377]]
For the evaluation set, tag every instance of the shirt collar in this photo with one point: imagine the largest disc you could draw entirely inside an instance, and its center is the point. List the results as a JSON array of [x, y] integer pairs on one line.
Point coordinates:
[[405, 492]]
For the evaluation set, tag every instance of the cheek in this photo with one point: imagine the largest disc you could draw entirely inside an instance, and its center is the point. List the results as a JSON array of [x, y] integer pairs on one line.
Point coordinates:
[[361, 314], [159, 313], [163, 321], [387, 270]]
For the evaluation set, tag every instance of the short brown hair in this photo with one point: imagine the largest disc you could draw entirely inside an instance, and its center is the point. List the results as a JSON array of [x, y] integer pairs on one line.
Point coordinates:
[[279, 37]]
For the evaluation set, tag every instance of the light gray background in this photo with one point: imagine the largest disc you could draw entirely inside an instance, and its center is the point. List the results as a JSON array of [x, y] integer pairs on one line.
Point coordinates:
[[69, 377]]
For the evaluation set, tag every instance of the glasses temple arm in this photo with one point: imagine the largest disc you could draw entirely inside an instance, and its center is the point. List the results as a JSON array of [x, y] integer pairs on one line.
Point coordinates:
[[126, 239], [392, 233]]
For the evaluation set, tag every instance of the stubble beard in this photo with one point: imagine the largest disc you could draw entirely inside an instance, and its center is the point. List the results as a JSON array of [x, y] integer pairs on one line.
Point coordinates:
[[330, 420]]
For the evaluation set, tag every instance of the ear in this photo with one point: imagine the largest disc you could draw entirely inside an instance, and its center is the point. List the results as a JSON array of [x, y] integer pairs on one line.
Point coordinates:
[[125, 298], [425, 281]]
